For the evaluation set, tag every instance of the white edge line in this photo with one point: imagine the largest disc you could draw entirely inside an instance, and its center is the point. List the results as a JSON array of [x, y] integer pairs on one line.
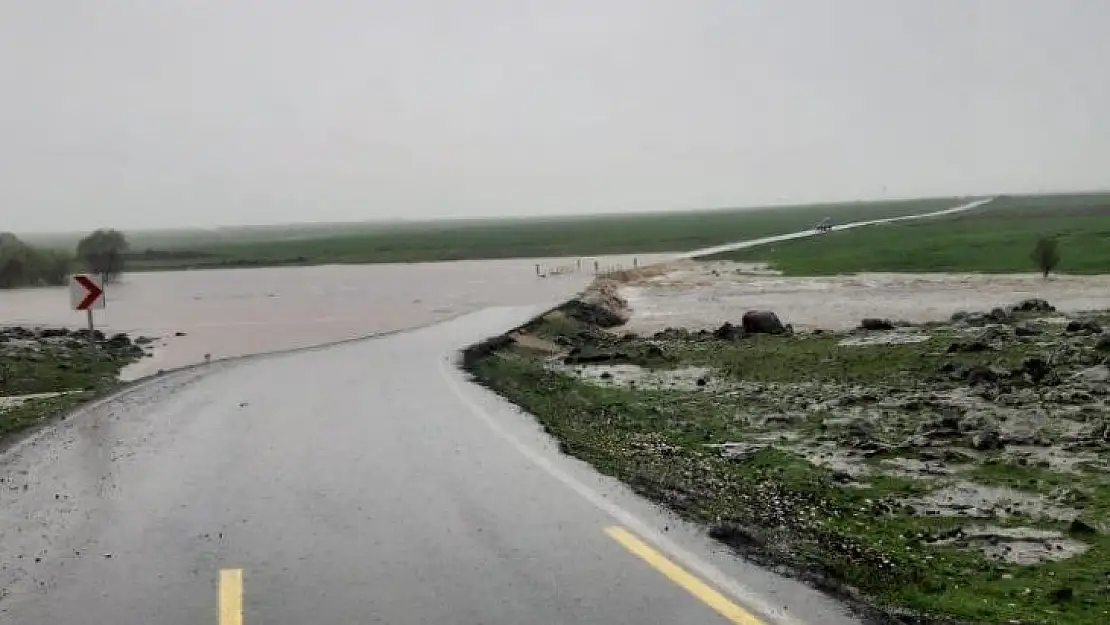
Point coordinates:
[[747, 597]]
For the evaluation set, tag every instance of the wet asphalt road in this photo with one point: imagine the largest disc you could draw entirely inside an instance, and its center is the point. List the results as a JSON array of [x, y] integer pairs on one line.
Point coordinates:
[[362, 483]]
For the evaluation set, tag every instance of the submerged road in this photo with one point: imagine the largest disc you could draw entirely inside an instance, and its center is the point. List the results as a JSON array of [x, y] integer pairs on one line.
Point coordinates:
[[367, 482], [361, 483]]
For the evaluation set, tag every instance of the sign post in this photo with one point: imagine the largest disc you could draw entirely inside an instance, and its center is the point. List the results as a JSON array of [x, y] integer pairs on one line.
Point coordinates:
[[86, 292]]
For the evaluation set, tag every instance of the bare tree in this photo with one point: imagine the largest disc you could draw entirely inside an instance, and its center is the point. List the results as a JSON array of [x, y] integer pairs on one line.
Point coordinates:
[[1046, 255]]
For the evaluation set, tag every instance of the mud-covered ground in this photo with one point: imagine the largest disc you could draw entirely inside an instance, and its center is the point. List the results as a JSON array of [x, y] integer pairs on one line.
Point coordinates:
[[45, 371], [954, 470], [698, 295]]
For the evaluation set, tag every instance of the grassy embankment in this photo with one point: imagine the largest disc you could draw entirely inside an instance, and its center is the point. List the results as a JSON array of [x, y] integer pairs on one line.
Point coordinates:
[[841, 459], [58, 364], [493, 238], [995, 239]]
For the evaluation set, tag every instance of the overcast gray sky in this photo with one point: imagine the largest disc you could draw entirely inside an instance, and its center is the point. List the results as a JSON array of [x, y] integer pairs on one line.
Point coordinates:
[[205, 112]]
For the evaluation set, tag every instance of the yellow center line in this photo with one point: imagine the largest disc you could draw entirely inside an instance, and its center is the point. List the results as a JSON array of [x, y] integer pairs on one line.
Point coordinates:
[[231, 597], [725, 607]]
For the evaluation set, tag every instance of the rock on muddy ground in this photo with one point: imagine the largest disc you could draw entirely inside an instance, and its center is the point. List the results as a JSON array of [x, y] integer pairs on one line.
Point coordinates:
[[696, 295]]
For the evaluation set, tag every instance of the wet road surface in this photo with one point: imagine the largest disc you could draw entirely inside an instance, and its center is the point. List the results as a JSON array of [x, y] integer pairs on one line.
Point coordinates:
[[361, 483], [778, 238]]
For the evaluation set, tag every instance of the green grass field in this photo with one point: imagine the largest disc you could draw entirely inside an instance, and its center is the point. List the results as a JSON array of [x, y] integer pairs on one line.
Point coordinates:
[[998, 238], [313, 244]]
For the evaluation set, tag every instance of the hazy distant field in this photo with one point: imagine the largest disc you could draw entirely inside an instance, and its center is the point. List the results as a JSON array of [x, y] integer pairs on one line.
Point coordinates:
[[488, 238], [997, 238]]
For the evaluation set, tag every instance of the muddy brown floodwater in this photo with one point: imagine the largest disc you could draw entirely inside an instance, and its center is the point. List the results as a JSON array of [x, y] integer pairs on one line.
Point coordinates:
[[233, 312], [704, 295]]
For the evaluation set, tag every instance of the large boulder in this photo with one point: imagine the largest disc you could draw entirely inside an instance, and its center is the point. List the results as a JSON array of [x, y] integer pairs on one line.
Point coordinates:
[[762, 322], [1084, 326], [1037, 368], [872, 323], [1034, 305]]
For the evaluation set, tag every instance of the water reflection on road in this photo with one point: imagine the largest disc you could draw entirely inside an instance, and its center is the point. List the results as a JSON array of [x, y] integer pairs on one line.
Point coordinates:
[[242, 311]]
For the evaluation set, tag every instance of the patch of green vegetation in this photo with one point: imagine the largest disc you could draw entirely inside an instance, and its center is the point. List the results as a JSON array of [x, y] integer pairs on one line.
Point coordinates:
[[496, 238], [1001, 472], [657, 444], [62, 362], [775, 506], [35, 411], [997, 238], [51, 369], [807, 358]]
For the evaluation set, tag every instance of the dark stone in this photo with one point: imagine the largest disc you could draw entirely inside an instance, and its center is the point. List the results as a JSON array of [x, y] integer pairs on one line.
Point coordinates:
[[986, 441], [1079, 527], [857, 433], [1062, 594], [981, 375], [580, 357], [1103, 343], [1026, 329], [50, 333], [872, 323], [702, 382], [762, 322], [1083, 325], [1034, 305], [841, 477], [729, 332], [1036, 367], [119, 341], [974, 345], [734, 535], [999, 314], [179, 333], [977, 320]]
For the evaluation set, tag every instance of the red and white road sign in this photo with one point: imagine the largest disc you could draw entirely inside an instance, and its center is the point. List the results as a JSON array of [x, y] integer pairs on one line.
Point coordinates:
[[86, 292]]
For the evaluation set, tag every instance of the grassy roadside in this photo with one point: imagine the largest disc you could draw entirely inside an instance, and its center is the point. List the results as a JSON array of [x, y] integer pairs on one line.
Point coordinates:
[[503, 238], [995, 239], [958, 478], [46, 372]]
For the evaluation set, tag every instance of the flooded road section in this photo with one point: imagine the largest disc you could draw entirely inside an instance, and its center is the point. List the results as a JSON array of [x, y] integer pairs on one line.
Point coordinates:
[[233, 312], [705, 295]]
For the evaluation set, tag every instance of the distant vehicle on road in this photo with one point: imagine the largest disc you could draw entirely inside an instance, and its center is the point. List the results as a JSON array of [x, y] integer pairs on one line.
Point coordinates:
[[825, 225]]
